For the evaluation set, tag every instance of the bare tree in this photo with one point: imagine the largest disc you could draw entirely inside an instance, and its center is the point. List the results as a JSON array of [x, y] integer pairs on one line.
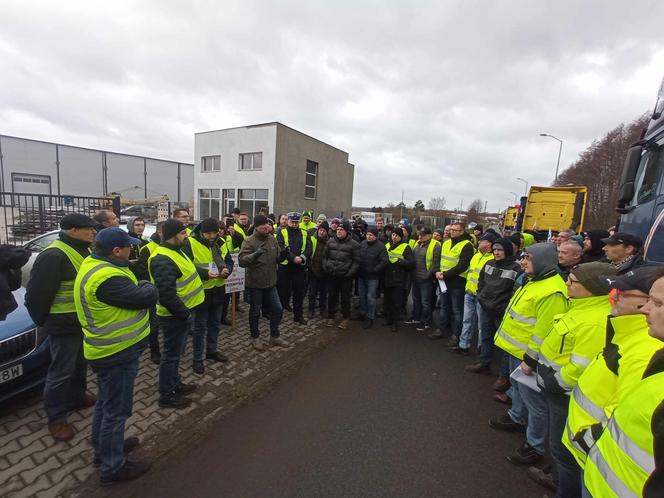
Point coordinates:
[[437, 203], [474, 210]]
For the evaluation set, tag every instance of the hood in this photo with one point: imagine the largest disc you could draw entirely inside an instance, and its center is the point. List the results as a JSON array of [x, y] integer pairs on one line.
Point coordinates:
[[130, 225], [544, 257], [596, 237], [507, 244]]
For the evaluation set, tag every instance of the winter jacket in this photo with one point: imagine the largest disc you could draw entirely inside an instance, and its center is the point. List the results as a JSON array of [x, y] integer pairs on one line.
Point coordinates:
[[420, 272], [496, 284], [373, 260], [260, 255], [342, 257], [141, 266], [396, 273], [316, 260], [596, 253], [12, 258], [294, 248], [50, 268], [628, 264], [165, 273]]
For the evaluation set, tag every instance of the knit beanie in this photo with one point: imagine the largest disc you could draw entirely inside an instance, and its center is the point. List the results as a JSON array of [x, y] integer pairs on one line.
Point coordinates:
[[516, 239], [578, 239], [373, 231], [209, 225], [345, 224], [325, 225], [439, 231], [171, 228], [589, 273], [260, 220], [398, 231]]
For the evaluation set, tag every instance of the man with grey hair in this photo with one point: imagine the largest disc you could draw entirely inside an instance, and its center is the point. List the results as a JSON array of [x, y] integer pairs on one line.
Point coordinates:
[[563, 236], [570, 254]]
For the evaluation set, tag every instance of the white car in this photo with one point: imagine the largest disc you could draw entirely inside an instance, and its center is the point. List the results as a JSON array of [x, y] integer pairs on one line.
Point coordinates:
[[38, 244]]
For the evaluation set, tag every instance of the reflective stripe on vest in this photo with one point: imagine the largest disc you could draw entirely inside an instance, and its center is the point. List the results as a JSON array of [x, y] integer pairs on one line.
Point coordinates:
[[63, 302], [284, 234], [240, 230], [149, 247], [107, 329], [396, 254], [189, 285], [474, 269], [450, 255], [203, 258], [429, 255]]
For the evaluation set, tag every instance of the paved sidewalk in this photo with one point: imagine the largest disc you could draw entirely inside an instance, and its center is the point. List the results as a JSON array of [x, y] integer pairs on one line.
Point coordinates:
[[33, 464]]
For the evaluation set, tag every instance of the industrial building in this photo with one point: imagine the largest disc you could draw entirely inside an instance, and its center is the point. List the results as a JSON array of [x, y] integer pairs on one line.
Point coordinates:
[[269, 165], [38, 167]]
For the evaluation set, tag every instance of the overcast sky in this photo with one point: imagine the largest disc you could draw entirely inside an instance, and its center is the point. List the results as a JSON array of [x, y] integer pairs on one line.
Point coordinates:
[[441, 98]]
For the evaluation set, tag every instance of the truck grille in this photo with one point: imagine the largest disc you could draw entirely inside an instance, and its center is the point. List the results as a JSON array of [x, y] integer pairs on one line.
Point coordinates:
[[18, 347]]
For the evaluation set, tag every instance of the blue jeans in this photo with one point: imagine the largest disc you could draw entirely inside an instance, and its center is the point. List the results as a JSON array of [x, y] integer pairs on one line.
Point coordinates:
[[115, 399], [471, 310], [566, 472], [258, 297], [489, 323], [66, 379], [174, 332], [518, 413], [207, 320], [538, 415], [451, 310], [368, 292], [423, 301]]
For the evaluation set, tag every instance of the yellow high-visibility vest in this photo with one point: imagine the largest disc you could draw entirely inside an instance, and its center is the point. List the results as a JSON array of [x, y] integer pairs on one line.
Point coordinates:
[[189, 285], [64, 297]]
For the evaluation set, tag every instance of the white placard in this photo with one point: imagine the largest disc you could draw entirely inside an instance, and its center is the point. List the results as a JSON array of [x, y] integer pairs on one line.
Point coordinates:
[[235, 282]]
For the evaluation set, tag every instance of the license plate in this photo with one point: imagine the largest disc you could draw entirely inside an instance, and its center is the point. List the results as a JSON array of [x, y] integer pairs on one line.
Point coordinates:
[[11, 373]]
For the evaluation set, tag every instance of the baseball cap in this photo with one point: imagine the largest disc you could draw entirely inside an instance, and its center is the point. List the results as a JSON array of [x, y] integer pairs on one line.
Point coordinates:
[[640, 278], [623, 238], [76, 220], [488, 236], [111, 237], [425, 230]]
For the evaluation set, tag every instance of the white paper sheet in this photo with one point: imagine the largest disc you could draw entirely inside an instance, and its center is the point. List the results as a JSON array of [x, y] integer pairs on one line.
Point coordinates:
[[443, 286], [527, 380]]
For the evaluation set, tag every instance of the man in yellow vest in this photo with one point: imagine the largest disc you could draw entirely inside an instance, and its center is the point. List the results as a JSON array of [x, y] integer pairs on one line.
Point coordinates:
[[471, 307], [182, 215], [209, 252], [628, 458], [49, 299], [291, 275], [142, 273], [180, 292], [113, 308], [241, 229], [306, 224], [427, 262], [526, 323], [575, 339], [455, 256]]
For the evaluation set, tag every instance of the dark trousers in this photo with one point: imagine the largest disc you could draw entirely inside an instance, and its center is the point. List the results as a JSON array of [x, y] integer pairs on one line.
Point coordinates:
[[317, 291], [115, 400], [153, 338], [407, 286], [393, 300], [291, 281], [174, 332], [339, 289], [207, 319], [489, 323], [257, 298], [566, 471], [451, 310], [66, 378]]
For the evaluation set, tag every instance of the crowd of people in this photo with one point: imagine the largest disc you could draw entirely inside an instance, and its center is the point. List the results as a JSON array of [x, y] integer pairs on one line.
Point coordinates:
[[563, 321]]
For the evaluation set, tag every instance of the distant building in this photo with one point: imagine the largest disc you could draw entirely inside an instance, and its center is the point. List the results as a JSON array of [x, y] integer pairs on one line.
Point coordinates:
[[37, 167], [269, 165]]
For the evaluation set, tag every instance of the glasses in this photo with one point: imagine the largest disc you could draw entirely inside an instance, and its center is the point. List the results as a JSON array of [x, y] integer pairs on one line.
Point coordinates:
[[615, 294], [456, 230]]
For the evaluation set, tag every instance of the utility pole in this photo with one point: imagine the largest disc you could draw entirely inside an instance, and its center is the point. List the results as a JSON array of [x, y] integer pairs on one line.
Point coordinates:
[[401, 203], [485, 207]]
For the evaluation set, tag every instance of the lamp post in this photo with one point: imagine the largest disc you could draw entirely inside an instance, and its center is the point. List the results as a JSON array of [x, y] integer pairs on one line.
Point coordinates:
[[526, 182], [516, 196], [560, 149]]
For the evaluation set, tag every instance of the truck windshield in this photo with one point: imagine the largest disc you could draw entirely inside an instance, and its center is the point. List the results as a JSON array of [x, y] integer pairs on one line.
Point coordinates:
[[648, 175]]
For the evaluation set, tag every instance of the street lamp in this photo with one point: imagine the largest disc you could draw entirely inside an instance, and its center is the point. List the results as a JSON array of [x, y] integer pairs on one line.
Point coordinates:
[[560, 149], [516, 196], [526, 182]]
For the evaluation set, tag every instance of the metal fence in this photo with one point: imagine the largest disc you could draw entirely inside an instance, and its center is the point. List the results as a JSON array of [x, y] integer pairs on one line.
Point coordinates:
[[25, 216]]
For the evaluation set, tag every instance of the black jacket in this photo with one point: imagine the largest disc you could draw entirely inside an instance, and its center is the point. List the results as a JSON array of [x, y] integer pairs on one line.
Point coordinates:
[[452, 276], [294, 246], [496, 284], [341, 258], [373, 260], [316, 260], [396, 273], [141, 266], [12, 258], [165, 273], [50, 268]]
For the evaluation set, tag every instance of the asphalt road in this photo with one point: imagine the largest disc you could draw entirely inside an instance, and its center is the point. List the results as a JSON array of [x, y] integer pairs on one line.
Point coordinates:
[[377, 414]]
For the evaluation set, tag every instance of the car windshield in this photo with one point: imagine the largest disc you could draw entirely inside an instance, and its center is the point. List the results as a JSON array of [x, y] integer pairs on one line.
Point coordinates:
[[41, 243]]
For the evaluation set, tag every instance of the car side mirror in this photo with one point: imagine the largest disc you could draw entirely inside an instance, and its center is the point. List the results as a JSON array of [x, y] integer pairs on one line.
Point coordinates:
[[632, 161]]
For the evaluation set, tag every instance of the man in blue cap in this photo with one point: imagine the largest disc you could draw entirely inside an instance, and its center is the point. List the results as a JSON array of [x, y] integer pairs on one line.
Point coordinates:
[[113, 308]]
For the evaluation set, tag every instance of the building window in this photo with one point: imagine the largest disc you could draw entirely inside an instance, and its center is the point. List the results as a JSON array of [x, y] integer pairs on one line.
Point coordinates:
[[208, 203], [310, 179], [252, 200], [210, 163], [228, 198], [251, 161]]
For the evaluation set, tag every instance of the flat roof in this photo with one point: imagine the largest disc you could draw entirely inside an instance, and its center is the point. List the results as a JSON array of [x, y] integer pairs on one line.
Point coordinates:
[[97, 150], [272, 123]]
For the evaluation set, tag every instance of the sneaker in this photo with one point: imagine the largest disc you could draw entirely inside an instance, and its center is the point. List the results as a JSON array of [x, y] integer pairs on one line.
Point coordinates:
[[128, 472], [368, 323], [199, 367], [502, 398], [62, 431], [300, 320], [505, 423], [257, 344], [344, 324], [185, 388], [130, 444], [459, 350], [217, 356], [411, 322], [421, 327], [502, 384], [541, 477], [174, 400], [524, 455], [329, 322], [436, 334], [478, 368], [278, 341]]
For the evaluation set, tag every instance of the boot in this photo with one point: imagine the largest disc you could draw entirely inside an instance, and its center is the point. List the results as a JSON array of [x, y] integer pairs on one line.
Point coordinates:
[[368, 323], [344, 324], [199, 367], [62, 431], [329, 322], [478, 368], [502, 384], [128, 472]]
